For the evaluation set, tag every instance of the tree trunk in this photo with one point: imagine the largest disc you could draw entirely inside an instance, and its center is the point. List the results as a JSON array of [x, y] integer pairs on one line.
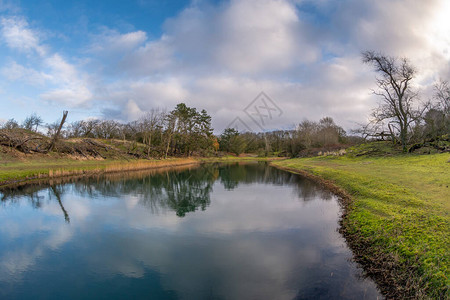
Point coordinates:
[[56, 136], [403, 135], [168, 144], [267, 144], [393, 138]]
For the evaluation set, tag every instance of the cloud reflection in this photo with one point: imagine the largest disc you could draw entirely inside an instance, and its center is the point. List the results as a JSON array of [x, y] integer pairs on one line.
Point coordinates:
[[268, 235]]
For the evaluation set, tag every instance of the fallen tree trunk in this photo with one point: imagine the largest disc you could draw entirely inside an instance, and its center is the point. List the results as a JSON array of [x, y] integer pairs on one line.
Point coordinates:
[[15, 141]]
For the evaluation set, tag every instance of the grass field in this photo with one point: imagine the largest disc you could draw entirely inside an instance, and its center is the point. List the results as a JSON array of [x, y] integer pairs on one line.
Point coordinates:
[[399, 213]]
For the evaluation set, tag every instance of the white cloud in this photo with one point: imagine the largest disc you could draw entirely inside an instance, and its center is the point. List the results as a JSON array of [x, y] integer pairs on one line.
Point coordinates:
[[59, 80], [73, 95], [135, 97], [220, 56], [14, 72], [114, 42], [18, 35], [153, 57], [69, 86], [240, 36], [262, 36], [413, 29], [61, 70]]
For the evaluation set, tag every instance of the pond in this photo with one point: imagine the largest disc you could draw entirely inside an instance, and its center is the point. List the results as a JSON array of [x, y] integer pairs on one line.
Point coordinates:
[[214, 231]]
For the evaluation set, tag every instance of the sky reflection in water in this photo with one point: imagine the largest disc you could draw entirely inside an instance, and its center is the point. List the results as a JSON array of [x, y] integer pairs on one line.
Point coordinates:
[[235, 231]]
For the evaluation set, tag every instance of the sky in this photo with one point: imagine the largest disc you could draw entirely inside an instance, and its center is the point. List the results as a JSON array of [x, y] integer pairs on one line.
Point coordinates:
[[113, 59]]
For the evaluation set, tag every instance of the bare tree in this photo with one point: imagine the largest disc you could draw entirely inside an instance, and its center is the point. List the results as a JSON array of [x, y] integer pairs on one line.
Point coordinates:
[[131, 130], [32, 122], [149, 124], [442, 96], [52, 128], [75, 129], [88, 127], [171, 124], [319, 134], [58, 130], [106, 129], [437, 118], [306, 131], [11, 124], [329, 133], [397, 94]]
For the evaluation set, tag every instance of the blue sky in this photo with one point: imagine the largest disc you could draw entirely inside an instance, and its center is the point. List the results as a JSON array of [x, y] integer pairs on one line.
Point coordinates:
[[78, 18], [119, 59]]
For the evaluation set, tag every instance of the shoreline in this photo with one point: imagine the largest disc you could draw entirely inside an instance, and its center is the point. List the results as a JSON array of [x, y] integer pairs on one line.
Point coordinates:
[[87, 170], [90, 168], [396, 277], [355, 243]]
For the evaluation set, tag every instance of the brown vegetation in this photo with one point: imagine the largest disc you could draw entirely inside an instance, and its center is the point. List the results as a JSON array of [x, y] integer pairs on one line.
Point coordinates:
[[29, 142]]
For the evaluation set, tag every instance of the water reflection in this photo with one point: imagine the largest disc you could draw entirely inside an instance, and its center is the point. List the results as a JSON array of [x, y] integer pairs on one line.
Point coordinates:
[[213, 231], [183, 192]]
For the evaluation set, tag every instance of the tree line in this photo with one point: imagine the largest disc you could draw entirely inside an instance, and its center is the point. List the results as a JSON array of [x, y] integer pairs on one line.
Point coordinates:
[[186, 131]]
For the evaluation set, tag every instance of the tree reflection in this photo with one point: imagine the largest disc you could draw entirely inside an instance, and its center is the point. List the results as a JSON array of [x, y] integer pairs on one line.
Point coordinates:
[[57, 192], [188, 191], [308, 190], [181, 189], [30, 192], [231, 175], [33, 194]]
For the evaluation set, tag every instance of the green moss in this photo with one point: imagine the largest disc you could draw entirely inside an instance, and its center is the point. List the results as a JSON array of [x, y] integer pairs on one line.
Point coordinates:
[[401, 204]]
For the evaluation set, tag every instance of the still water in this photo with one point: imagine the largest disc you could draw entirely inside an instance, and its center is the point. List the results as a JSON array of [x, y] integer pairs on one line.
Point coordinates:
[[234, 231]]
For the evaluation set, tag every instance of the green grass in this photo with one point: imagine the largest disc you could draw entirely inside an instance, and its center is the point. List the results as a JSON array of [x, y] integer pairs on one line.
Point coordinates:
[[29, 168], [32, 168], [400, 205]]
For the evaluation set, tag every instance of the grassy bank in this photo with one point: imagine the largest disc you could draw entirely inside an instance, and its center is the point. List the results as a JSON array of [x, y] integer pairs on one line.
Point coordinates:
[[398, 217], [38, 168], [33, 167]]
